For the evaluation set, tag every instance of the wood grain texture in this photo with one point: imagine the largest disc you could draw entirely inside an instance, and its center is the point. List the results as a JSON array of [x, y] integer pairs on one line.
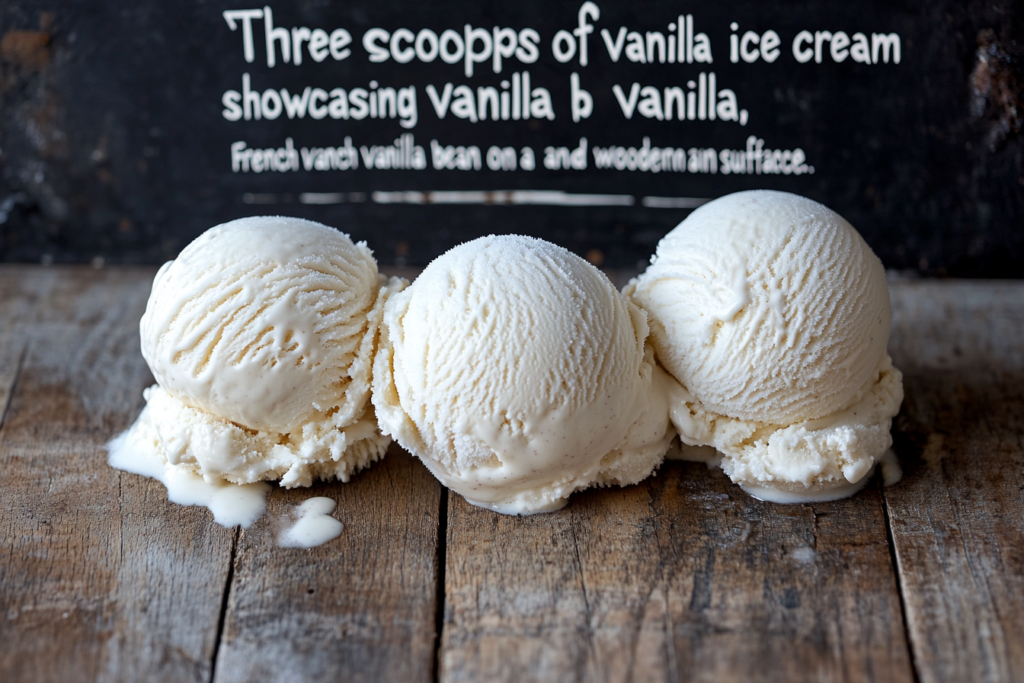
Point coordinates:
[[958, 515], [683, 577], [359, 608], [100, 579]]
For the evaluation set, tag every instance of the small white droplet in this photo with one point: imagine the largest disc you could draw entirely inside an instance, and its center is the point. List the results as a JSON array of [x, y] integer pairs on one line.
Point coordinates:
[[313, 525]]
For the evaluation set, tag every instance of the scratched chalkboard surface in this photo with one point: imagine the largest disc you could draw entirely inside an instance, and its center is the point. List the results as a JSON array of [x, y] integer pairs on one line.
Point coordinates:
[[128, 128]]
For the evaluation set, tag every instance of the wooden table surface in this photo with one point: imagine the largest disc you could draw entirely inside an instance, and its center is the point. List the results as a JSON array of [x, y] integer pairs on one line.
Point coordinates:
[[683, 577]]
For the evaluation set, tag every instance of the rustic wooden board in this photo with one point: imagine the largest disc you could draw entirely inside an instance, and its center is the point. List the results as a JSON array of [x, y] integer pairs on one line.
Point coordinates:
[[683, 577], [359, 608], [100, 578], [958, 516]]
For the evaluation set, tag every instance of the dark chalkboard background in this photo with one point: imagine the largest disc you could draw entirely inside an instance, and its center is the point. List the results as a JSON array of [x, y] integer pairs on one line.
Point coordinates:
[[113, 144]]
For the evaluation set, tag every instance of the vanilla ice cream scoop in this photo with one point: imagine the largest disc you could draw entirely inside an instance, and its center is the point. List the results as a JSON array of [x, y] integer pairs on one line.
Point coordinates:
[[258, 320], [767, 306], [771, 312], [517, 373], [261, 337]]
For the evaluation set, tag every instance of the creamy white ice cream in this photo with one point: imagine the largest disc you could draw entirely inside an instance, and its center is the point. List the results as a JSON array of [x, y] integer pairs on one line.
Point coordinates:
[[261, 336], [517, 373], [773, 315]]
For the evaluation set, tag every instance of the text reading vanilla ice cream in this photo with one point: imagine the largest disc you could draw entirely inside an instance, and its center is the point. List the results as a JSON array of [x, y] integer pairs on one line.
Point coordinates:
[[261, 337], [772, 315], [518, 374]]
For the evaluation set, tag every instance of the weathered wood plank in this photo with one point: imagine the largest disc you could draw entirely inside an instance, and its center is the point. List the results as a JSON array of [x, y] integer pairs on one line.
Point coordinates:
[[359, 608], [16, 306], [683, 577], [958, 515], [100, 578]]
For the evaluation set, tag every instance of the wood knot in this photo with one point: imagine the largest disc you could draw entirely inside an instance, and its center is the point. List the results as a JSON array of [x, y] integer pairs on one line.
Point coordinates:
[[27, 49]]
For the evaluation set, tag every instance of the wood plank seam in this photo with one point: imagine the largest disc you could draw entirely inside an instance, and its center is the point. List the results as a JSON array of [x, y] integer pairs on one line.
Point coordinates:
[[898, 573], [442, 559], [588, 611], [92, 585], [14, 384], [224, 603], [674, 671], [361, 609], [955, 518], [120, 513]]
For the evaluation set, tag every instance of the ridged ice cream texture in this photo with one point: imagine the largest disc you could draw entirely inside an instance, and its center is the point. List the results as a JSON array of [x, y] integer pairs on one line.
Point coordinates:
[[261, 337], [773, 314], [518, 374]]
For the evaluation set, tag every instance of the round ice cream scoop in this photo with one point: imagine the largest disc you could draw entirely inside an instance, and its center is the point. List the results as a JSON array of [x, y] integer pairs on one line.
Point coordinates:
[[767, 306], [517, 373], [259, 322], [772, 315]]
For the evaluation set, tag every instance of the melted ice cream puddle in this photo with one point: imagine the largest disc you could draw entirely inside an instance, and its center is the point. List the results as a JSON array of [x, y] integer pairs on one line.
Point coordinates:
[[891, 470], [231, 504], [792, 497], [888, 464], [313, 525]]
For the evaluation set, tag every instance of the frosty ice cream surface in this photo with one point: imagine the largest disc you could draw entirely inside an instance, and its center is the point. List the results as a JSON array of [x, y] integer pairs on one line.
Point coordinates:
[[514, 369], [518, 374], [771, 314]]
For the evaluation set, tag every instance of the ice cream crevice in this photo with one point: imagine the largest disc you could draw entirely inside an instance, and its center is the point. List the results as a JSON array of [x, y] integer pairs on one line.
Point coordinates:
[[741, 296]]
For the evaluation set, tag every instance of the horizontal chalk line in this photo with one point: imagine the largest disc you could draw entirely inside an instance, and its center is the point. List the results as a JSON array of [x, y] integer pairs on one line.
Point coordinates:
[[487, 197], [673, 202]]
